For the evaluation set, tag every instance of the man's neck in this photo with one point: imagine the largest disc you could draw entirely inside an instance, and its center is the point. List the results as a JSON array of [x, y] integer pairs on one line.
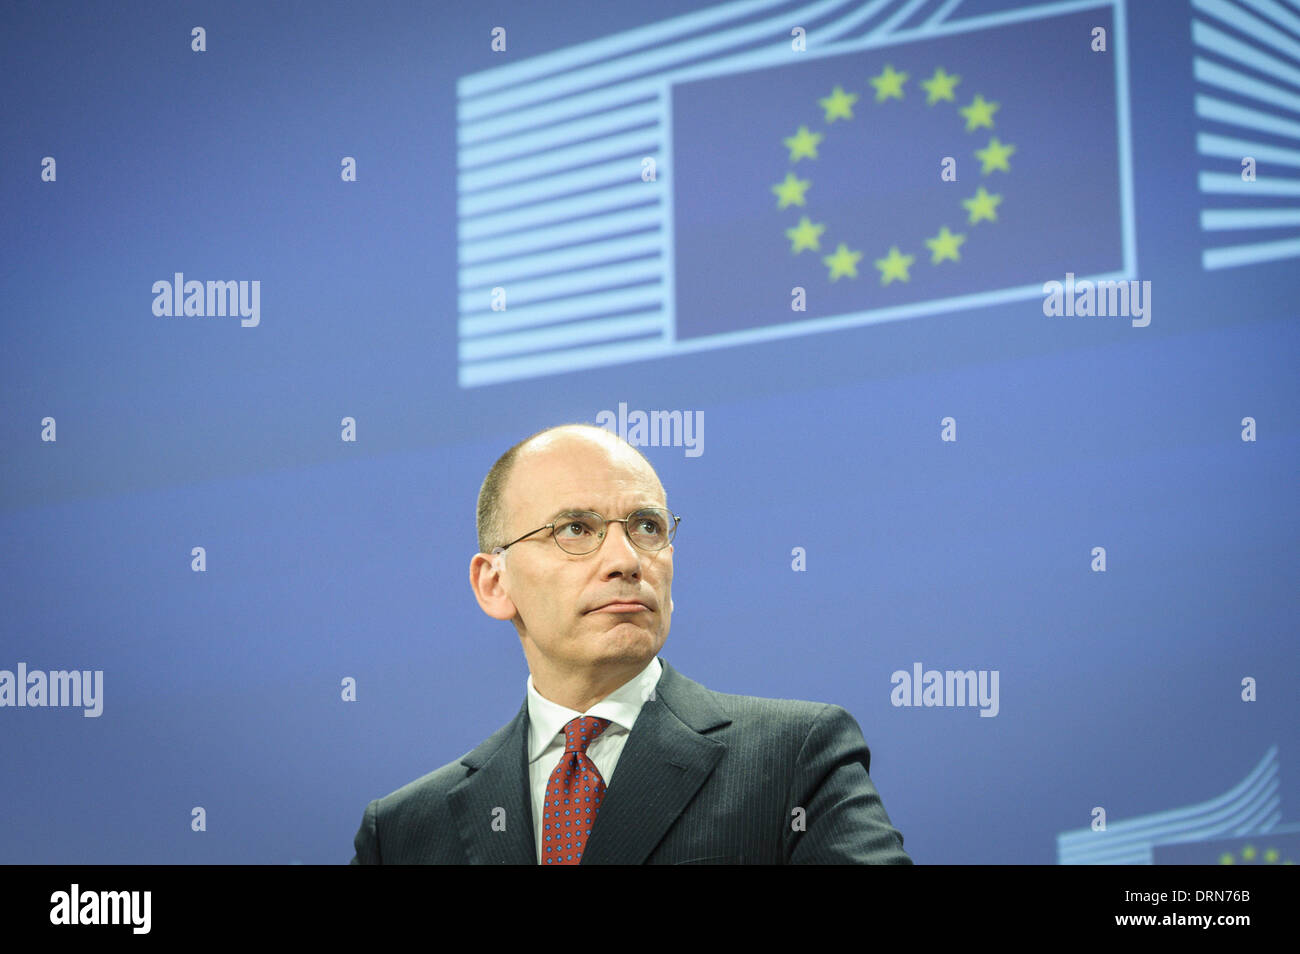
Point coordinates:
[[580, 691]]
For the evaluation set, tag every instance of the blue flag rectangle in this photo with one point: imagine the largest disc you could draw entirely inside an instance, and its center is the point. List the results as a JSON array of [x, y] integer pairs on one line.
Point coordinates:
[[917, 176]]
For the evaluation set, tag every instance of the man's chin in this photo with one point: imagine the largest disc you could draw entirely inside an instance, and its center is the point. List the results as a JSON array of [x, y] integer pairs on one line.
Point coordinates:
[[627, 640]]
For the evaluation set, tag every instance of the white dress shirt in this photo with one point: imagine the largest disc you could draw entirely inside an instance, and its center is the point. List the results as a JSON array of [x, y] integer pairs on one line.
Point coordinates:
[[546, 722]]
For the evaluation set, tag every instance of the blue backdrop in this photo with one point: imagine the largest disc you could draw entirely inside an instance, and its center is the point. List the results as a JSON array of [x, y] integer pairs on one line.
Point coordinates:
[[460, 234]]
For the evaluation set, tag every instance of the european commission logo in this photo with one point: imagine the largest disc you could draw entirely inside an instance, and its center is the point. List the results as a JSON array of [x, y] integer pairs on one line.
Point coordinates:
[[1241, 826], [741, 175]]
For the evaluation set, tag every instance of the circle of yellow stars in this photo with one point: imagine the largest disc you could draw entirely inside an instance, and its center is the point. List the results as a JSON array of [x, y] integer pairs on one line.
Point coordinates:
[[946, 245]]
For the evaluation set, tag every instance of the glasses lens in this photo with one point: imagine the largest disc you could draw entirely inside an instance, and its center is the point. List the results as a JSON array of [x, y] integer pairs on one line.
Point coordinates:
[[578, 532], [650, 529]]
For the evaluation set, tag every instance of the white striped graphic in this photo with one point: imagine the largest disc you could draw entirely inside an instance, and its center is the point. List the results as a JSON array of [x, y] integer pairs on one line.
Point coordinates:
[[1253, 806], [1254, 74]]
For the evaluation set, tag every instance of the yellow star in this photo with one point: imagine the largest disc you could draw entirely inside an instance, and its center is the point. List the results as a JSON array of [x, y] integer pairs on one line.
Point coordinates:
[[791, 191], [838, 105], [1248, 852], [1227, 859], [889, 84], [1271, 856], [843, 262], [979, 113], [940, 86], [982, 206], [945, 245], [805, 235], [894, 266], [803, 143], [995, 156]]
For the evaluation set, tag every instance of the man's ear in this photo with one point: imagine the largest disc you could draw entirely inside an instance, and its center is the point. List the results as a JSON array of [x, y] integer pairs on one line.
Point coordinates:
[[670, 596], [485, 579]]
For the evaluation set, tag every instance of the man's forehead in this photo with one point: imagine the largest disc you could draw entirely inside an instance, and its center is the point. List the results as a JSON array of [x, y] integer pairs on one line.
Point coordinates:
[[580, 475]]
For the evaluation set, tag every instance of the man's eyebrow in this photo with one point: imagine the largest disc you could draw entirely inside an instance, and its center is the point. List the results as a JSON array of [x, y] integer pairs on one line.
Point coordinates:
[[573, 511]]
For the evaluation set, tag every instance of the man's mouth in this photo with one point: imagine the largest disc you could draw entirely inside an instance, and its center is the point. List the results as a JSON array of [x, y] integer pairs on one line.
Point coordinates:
[[622, 608]]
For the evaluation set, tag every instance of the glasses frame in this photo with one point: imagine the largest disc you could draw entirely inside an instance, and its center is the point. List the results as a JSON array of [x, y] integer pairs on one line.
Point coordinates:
[[600, 537]]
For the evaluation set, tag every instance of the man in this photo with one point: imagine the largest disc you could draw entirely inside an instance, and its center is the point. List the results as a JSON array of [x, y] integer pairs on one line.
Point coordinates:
[[615, 757]]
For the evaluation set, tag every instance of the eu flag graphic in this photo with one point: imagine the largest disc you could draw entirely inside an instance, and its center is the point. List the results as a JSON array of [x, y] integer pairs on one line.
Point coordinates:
[[903, 178], [664, 191]]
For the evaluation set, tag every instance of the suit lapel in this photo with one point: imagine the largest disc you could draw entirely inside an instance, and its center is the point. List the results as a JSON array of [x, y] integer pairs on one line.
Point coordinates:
[[498, 780], [663, 764]]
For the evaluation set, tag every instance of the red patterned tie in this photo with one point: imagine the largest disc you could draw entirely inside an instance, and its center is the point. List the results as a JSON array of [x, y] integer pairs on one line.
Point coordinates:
[[573, 794]]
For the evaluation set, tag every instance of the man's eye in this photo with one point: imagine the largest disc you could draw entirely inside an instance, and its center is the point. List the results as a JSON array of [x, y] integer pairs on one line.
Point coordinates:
[[574, 529], [650, 526]]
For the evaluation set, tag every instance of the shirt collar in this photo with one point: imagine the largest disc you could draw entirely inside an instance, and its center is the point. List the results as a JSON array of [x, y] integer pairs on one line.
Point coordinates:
[[621, 707]]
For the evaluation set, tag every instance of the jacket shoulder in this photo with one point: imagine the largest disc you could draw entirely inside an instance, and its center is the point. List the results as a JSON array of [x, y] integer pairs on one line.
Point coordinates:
[[414, 821], [764, 711], [752, 713], [759, 723], [420, 792]]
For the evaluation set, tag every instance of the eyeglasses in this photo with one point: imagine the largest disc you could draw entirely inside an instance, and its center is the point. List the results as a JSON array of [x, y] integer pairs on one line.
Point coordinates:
[[581, 531]]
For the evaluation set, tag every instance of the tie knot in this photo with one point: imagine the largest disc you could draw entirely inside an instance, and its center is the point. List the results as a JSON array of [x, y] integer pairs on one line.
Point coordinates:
[[582, 731]]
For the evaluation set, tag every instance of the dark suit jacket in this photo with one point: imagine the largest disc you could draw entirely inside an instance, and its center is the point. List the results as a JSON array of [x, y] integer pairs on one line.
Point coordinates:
[[704, 778]]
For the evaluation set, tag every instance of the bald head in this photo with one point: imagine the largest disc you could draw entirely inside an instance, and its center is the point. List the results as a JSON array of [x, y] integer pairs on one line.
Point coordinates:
[[498, 496]]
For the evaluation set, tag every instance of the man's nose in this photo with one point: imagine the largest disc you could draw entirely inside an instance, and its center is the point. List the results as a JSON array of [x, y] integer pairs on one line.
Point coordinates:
[[621, 550]]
